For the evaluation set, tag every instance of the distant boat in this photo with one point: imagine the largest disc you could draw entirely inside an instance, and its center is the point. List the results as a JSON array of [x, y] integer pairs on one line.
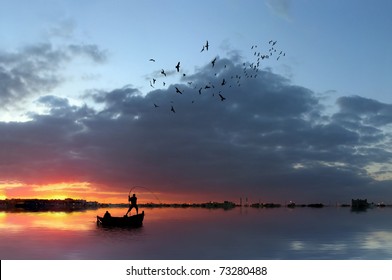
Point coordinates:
[[131, 221]]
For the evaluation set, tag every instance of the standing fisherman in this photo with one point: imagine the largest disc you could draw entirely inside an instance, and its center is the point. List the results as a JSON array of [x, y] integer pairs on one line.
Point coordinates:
[[133, 203]]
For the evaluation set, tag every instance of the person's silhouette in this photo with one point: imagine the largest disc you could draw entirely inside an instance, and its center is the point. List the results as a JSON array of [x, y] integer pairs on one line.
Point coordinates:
[[107, 215], [133, 203]]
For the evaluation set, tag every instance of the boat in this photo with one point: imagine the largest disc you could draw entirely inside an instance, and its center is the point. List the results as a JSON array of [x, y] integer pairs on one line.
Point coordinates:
[[126, 221]]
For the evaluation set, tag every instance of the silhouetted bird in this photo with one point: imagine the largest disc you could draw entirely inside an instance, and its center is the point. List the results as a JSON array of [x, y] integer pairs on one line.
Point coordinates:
[[151, 84], [178, 67], [155, 105], [221, 97], [202, 50], [213, 62], [153, 81], [178, 91], [163, 72], [206, 87], [200, 90], [207, 45], [151, 59], [172, 109], [223, 82]]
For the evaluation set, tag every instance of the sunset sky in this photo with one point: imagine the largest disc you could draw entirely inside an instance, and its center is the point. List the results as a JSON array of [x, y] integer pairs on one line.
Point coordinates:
[[77, 99]]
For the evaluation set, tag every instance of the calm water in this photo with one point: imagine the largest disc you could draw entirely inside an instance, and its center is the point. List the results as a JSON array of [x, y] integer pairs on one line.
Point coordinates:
[[247, 233]]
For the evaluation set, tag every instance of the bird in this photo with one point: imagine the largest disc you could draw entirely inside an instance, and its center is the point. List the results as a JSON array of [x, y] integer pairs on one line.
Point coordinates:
[[200, 90], [222, 97], [151, 84], [223, 82], [178, 67], [155, 105], [207, 45], [172, 109], [213, 62], [178, 91], [163, 72], [202, 50], [206, 87], [153, 80], [151, 59]]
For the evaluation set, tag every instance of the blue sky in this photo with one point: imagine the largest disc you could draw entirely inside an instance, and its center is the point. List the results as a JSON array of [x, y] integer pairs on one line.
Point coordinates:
[[90, 59], [331, 45]]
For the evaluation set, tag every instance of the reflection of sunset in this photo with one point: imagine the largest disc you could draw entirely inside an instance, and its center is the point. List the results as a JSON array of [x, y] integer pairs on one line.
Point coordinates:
[[49, 220]]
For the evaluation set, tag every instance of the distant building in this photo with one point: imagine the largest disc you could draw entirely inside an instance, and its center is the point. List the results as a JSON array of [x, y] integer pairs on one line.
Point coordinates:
[[359, 203]]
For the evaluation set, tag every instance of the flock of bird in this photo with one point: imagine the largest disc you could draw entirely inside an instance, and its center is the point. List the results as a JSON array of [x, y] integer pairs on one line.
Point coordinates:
[[250, 70]]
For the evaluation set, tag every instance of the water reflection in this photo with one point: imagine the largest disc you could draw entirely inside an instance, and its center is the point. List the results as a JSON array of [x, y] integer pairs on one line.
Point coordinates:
[[378, 240], [167, 233]]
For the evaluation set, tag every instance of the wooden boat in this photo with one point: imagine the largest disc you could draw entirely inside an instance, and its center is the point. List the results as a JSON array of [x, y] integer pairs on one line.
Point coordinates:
[[131, 221]]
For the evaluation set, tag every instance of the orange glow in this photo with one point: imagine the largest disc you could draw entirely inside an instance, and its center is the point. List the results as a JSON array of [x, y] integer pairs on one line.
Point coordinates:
[[100, 193], [52, 220]]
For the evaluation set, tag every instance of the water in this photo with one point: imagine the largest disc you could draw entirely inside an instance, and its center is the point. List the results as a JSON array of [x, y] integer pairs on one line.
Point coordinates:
[[194, 233]]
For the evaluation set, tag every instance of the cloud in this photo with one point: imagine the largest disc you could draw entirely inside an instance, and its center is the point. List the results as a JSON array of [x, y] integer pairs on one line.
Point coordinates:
[[65, 29], [368, 111], [268, 139], [280, 7], [36, 69], [28, 71], [91, 51]]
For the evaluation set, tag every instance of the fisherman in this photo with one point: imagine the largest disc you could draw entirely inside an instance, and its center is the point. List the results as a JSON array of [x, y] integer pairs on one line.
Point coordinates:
[[107, 215], [132, 200]]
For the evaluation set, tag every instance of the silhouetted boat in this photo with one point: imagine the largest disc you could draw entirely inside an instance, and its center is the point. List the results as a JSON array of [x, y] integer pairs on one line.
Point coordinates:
[[131, 221]]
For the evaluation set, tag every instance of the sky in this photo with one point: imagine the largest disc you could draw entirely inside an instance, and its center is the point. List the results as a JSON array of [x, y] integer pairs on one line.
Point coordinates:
[[297, 106]]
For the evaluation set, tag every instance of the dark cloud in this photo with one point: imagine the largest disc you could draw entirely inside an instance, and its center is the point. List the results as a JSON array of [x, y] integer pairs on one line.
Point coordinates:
[[28, 71], [367, 111], [36, 69], [269, 139]]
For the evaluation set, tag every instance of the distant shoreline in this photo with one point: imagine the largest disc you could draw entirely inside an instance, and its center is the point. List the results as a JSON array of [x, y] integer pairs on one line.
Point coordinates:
[[20, 205]]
